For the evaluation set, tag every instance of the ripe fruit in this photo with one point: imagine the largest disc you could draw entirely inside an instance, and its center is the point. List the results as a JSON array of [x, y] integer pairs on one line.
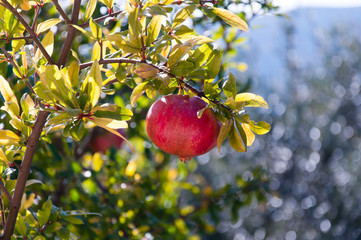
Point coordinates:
[[106, 140], [173, 126]]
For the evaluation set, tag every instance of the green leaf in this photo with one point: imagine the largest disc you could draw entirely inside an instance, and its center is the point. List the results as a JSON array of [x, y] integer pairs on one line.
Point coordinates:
[[54, 227], [225, 129], [73, 220], [27, 104], [213, 65], [44, 213], [95, 29], [40, 237], [251, 100], [229, 86], [90, 8], [63, 233], [154, 28], [137, 92], [210, 91], [231, 18], [200, 55], [113, 111], [183, 68], [20, 226], [260, 128], [235, 140], [46, 25], [182, 15], [77, 130], [9, 96]]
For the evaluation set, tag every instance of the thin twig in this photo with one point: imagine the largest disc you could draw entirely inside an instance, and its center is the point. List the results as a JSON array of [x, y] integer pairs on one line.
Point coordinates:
[[15, 38], [5, 191], [7, 5], [114, 14], [61, 12], [9, 57], [111, 60], [37, 11]]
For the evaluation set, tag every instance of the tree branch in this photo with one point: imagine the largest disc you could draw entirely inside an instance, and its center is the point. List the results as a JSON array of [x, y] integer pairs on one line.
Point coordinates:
[[5, 191], [111, 60], [61, 12], [71, 34], [24, 173], [7, 5]]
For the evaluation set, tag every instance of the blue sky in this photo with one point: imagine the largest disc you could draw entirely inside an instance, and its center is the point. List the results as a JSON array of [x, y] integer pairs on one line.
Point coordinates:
[[287, 5]]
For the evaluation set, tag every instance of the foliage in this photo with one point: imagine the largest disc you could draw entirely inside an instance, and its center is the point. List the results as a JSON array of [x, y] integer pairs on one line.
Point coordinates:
[[60, 101]]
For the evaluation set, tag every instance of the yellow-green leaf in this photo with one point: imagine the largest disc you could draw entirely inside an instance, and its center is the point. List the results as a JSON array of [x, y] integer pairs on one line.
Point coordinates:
[[104, 123], [7, 137], [229, 86], [95, 29], [231, 18], [134, 28], [48, 43], [46, 25], [260, 128], [90, 8], [3, 156], [9, 97], [250, 135], [235, 140], [153, 29], [137, 92], [182, 15], [118, 40], [73, 74], [225, 129], [92, 85], [251, 100]]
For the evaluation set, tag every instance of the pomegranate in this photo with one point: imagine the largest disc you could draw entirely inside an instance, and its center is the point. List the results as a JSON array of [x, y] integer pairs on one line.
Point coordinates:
[[106, 140], [173, 126]]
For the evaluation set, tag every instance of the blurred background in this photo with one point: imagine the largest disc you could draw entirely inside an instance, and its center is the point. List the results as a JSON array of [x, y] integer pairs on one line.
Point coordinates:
[[308, 67]]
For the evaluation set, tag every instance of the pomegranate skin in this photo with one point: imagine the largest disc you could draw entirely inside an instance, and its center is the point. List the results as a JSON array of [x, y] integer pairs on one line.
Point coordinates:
[[107, 140], [173, 126]]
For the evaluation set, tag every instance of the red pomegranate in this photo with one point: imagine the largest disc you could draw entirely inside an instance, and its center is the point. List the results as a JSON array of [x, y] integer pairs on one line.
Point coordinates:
[[106, 140], [173, 126]]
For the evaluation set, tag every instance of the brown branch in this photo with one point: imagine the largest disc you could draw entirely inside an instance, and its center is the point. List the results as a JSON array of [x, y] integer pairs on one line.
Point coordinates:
[[5, 191], [71, 34], [61, 12], [37, 11], [9, 57], [15, 38], [24, 173], [111, 60], [84, 25], [7, 5]]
